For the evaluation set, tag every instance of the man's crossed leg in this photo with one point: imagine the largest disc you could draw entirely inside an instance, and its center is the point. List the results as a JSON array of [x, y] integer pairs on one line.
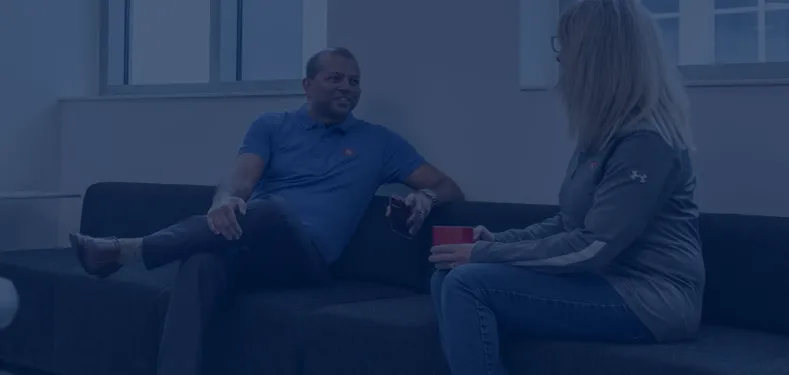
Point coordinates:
[[273, 252]]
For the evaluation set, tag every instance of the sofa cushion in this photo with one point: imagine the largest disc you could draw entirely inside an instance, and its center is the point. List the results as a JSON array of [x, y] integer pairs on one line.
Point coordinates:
[[399, 336], [110, 326], [124, 209], [718, 351], [495, 216], [382, 337], [747, 280], [94, 326], [73, 324], [376, 254], [262, 333], [28, 340]]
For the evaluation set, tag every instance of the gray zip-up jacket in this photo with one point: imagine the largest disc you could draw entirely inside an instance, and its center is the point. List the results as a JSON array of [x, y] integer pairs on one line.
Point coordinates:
[[627, 213]]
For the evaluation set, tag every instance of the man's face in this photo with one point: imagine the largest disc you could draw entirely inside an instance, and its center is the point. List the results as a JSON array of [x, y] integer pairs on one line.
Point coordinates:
[[335, 91]]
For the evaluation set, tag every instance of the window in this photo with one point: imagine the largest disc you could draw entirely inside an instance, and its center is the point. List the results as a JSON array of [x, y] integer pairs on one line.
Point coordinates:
[[713, 41], [208, 46]]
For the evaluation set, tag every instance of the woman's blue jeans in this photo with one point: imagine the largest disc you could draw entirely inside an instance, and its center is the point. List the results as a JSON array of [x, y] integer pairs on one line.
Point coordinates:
[[478, 303]]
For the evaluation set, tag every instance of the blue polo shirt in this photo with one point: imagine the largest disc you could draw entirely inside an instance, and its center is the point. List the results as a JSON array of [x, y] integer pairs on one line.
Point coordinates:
[[327, 175]]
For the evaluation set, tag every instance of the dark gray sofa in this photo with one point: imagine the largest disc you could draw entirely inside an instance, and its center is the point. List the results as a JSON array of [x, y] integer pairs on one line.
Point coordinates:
[[377, 318]]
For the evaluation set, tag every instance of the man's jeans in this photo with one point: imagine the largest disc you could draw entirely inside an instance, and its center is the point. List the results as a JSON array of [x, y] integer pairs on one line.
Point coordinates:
[[273, 252], [478, 303]]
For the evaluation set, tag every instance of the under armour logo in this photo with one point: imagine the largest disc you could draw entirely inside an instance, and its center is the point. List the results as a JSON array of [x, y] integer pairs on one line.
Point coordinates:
[[642, 178]]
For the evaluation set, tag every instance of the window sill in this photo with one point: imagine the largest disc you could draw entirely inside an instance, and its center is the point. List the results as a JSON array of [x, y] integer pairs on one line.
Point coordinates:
[[736, 82], [700, 83], [723, 75], [213, 95], [279, 88]]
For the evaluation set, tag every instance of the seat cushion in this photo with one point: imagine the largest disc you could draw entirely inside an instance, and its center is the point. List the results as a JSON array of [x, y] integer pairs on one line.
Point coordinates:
[[73, 324], [717, 351], [263, 333], [28, 340], [399, 336], [747, 283], [81, 325], [110, 326], [382, 337]]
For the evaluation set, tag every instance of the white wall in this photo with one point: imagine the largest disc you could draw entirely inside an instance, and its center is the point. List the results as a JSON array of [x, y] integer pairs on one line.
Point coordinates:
[[48, 51], [449, 83]]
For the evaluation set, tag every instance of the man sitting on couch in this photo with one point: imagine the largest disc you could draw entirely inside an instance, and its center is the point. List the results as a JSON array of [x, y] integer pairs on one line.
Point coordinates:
[[300, 185]]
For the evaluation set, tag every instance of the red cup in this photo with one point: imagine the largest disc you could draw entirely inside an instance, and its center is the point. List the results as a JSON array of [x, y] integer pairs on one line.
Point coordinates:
[[445, 235]]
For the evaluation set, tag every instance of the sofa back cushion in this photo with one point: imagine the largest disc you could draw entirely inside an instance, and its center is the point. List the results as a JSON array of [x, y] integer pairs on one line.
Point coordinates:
[[377, 254], [747, 262], [124, 209], [746, 257]]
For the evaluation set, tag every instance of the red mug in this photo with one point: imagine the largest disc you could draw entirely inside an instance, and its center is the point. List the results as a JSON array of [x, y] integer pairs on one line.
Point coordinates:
[[447, 235]]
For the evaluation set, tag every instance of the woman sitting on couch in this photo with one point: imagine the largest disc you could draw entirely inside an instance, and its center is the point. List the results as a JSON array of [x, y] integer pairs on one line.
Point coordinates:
[[621, 261]]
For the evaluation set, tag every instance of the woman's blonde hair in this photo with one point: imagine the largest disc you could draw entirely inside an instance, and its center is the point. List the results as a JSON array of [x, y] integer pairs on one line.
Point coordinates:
[[614, 72]]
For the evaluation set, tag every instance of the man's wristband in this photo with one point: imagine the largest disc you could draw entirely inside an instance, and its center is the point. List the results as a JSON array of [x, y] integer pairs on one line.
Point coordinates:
[[430, 194]]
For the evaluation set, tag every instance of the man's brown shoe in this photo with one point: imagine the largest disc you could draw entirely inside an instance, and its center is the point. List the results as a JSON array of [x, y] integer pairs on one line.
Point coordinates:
[[98, 256]]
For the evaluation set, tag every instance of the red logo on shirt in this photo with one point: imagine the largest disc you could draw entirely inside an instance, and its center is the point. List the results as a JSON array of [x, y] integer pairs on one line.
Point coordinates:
[[348, 152], [593, 164]]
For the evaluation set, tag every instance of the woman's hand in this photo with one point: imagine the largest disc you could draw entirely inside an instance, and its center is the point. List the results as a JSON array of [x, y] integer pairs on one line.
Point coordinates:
[[482, 234], [450, 256]]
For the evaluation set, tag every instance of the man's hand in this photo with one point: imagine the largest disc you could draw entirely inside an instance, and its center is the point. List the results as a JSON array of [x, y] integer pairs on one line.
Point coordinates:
[[420, 205], [222, 217], [483, 234], [450, 256]]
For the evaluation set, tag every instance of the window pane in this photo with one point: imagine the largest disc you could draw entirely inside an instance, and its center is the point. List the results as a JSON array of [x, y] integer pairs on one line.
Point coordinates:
[[777, 35], [726, 4], [169, 41], [670, 31], [271, 42], [736, 38], [661, 6]]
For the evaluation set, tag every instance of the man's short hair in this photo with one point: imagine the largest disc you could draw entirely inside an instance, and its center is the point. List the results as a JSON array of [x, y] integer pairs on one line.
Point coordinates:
[[314, 65]]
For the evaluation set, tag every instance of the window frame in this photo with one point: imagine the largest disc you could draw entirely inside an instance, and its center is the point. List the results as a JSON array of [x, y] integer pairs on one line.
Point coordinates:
[[740, 74], [224, 68]]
